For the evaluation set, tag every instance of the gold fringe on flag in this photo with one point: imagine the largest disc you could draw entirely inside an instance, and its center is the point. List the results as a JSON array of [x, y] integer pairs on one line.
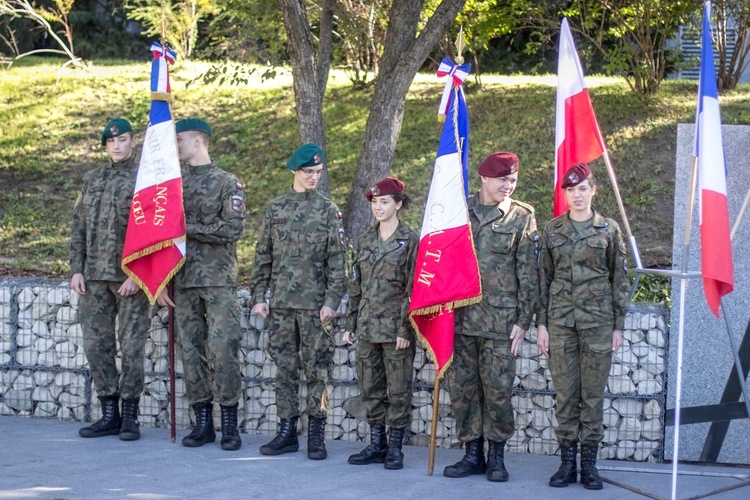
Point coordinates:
[[161, 96]]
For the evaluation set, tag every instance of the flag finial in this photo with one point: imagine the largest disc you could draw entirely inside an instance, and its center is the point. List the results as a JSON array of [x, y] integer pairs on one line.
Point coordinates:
[[460, 45]]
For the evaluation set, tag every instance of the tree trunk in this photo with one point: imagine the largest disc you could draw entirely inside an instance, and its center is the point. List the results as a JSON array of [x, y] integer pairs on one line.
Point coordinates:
[[403, 55], [309, 77]]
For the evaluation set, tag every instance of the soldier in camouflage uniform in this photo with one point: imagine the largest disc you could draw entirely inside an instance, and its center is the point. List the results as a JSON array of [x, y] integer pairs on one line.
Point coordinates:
[[205, 289], [299, 258], [100, 217], [584, 299], [379, 291], [489, 334]]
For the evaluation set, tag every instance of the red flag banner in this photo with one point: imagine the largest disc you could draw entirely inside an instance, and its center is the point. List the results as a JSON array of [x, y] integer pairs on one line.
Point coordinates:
[[577, 135], [155, 240], [446, 274]]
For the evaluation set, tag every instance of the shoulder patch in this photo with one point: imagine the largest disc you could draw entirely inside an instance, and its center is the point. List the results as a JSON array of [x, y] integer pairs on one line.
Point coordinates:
[[339, 215], [239, 185]]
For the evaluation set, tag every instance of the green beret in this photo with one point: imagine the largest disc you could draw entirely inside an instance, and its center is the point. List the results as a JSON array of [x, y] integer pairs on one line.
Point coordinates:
[[192, 124], [115, 128], [307, 155]]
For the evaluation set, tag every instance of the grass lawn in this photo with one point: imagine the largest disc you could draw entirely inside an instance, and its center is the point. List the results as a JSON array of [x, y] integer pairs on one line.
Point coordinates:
[[52, 120]]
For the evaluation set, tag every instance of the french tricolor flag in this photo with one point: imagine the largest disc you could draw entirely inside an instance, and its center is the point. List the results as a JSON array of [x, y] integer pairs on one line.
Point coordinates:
[[446, 274], [577, 135], [155, 239], [716, 244]]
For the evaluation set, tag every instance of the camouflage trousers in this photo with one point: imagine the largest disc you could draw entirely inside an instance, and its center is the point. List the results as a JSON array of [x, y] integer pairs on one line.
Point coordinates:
[[385, 375], [99, 307], [297, 339], [480, 381], [579, 362], [208, 329]]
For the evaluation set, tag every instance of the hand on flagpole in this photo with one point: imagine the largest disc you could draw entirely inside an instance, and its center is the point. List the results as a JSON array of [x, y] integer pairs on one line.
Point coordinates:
[[78, 284], [326, 314], [517, 335], [164, 300], [261, 309], [128, 288], [542, 340]]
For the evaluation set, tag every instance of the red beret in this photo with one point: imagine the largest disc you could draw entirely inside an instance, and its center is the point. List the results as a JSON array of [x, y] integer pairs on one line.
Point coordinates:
[[389, 185], [499, 165], [575, 175]]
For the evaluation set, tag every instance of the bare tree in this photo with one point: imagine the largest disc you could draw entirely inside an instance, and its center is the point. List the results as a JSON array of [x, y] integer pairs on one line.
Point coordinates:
[[732, 24]]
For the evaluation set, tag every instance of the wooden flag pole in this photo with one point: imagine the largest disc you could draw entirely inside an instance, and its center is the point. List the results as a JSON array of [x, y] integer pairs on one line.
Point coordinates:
[[433, 429], [172, 412]]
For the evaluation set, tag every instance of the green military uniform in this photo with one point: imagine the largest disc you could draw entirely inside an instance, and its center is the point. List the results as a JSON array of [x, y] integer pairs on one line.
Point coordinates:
[[208, 315], [379, 292], [100, 218], [300, 259], [481, 375], [584, 297]]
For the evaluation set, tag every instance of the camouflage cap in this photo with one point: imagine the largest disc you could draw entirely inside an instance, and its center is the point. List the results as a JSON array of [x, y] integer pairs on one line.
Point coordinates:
[[575, 175], [499, 164], [187, 124], [115, 128], [389, 185], [307, 155]]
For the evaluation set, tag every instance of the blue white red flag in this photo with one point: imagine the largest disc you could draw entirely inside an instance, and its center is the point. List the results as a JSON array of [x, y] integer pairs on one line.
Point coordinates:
[[155, 239], [716, 245], [446, 274], [577, 135]]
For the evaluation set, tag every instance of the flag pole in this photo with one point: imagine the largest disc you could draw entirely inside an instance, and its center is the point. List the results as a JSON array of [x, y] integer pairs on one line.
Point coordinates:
[[433, 428], [621, 207], [172, 398], [740, 215]]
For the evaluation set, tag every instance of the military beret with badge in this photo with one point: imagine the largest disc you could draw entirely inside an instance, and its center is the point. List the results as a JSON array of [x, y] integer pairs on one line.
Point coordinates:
[[575, 175], [389, 185], [115, 128], [188, 124], [499, 164], [307, 155]]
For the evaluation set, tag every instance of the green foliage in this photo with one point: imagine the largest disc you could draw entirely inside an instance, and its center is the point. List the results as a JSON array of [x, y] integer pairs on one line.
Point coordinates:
[[653, 288], [54, 140], [175, 22]]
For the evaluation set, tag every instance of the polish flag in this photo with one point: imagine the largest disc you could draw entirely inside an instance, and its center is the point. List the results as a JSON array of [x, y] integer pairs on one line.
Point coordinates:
[[155, 240], [446, 274], [716, 244], [577, 135]]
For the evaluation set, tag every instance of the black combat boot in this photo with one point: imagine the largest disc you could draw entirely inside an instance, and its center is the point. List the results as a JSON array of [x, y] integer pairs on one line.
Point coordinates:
[[496, 470], [129, 430], [316, 445], [589, 475], [375, 451], [394, 458], [230, 435], [472, 463], [285, 441], [566, 474], [203, 432], [109, 424]]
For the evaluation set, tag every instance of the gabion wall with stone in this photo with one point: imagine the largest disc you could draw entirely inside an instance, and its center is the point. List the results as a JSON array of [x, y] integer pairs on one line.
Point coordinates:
[[44, 373]]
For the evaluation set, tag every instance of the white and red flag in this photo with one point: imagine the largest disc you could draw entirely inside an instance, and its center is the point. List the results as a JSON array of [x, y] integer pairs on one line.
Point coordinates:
[[446, 274], [716, 245], [577, 135], [155, 240]]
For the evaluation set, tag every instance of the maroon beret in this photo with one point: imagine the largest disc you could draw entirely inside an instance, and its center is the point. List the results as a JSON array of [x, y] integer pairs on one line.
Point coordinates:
[[499, 165], [576, 175], [387, 186]]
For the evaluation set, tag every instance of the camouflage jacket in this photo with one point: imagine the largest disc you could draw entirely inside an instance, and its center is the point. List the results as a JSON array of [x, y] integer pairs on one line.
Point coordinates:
[[214, 215], [583, 276], [100, 218], [506, 246], [300, 253], [380, 288]]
